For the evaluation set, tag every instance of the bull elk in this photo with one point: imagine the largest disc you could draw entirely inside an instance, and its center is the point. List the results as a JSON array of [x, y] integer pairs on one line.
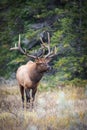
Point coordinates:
[[29, 75]]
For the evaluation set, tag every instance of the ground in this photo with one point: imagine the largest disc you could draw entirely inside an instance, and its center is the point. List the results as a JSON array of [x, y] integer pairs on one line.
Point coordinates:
[[59, 109]]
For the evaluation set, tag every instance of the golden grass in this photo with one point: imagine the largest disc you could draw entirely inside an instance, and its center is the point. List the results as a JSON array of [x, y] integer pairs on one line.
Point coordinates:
[[9, 91], [8, 121], [15, 118], [74, 92]]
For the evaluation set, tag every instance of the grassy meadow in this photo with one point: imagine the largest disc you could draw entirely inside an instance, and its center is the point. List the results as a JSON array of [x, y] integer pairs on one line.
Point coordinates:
[[54, 109]]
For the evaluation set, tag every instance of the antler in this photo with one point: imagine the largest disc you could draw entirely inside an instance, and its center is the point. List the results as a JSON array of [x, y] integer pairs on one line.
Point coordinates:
[[21, 50], [52, 52]]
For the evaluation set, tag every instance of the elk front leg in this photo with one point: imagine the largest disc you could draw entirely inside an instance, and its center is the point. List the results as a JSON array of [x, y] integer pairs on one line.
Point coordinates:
[[33, 95], [27, 91]]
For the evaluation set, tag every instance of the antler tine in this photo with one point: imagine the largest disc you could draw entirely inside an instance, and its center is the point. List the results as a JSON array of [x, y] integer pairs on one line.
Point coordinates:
[[53, 53], [48, 46], [48, 42], [14, 48], [50, 53], [19, 46], [44, 45], [21, 50], [41, 40]]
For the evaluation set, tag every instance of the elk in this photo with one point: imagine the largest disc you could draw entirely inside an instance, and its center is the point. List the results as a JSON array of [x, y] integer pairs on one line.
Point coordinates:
[[30, 74]]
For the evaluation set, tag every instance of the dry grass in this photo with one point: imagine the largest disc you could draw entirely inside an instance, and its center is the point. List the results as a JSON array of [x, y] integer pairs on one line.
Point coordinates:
[[54, 110]]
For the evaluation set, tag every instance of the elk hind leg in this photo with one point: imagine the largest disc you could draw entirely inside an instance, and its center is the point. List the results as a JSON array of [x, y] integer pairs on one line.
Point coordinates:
[[22, 94], [33, 95], [27, 91]]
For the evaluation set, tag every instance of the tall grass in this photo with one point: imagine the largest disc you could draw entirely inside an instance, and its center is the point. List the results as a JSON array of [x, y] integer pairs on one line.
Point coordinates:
[[58, 106]]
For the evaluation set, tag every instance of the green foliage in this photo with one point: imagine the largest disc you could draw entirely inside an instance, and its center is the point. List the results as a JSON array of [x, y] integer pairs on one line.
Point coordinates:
[[67, 24]]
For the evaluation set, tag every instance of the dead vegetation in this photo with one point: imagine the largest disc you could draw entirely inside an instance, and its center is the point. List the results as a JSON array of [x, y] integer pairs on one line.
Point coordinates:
[[64, 109]]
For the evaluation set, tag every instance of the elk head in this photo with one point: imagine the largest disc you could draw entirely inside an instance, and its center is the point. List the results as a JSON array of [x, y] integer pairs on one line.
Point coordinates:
[[43, 60], [42, 64]]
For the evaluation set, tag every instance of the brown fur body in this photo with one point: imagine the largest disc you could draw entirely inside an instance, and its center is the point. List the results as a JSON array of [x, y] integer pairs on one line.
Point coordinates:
[[29, 75]]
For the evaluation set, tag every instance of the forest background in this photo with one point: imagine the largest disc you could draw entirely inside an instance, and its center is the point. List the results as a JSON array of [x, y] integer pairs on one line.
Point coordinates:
[[65, 20]]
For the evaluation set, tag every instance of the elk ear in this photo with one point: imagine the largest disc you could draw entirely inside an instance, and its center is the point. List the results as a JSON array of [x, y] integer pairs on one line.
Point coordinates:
[[48, 59], [37, 61]]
